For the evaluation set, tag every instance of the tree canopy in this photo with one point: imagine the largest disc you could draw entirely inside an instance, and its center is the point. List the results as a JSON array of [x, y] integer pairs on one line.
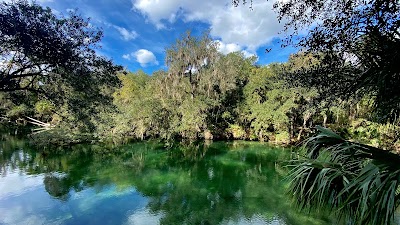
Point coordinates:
[[49, 60], [45, 54], [358, 42]]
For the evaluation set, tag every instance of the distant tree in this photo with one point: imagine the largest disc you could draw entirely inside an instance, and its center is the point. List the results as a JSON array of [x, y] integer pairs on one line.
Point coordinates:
[[189, 56]]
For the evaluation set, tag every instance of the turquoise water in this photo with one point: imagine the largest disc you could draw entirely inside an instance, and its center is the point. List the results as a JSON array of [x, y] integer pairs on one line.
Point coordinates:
[[145, 183]]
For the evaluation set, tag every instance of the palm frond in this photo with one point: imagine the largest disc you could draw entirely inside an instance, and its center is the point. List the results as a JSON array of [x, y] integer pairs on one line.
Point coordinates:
[[358, 182]]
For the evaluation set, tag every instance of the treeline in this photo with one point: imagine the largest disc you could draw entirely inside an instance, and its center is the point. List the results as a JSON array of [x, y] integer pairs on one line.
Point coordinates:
[[233, 98], [202, 95], [206, 95]]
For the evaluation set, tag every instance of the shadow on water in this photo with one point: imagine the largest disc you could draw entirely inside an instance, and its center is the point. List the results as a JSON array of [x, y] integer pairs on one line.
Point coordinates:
[[207, 183]]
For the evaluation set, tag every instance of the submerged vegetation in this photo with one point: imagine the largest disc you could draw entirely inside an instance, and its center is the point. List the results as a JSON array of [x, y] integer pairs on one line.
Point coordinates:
[[344, 77], [211, 183]]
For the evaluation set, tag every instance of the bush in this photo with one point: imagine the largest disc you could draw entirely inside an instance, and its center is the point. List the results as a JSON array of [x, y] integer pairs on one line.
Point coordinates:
[[375, 134], [44, 108], [236, 131], [18, 111], [282, 138]]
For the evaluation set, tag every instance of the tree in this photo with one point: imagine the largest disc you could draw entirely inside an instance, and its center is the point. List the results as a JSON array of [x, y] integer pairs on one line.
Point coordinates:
[[360, 42], [272, 108], [52, 57], [189, 56], [202, 85]]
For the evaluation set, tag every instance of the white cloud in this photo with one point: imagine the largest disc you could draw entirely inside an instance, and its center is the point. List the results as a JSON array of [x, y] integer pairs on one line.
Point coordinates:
[[142, 56], [157, 10], [231, 47], [249, 28], [14, 184], [145, 57], [126, 34], [127, 56], [228, 48]]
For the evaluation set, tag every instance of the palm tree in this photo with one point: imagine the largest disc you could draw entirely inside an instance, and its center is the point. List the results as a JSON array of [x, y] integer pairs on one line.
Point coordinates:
[[357, 182]]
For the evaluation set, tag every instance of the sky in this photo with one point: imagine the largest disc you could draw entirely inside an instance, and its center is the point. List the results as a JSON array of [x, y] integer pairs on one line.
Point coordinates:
[[137, 32]]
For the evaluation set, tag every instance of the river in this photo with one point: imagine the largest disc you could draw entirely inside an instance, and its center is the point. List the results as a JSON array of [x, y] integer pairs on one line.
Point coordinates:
[[145, 183]]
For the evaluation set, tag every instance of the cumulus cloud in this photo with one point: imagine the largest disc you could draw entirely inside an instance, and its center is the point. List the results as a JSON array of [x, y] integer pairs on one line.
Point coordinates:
[[228, 48], [142, 56], [157, 10], [126, 34], [249, 28], [231, 47]]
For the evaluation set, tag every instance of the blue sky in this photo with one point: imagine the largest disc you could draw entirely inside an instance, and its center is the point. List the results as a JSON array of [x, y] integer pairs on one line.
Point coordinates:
[[136, 32]]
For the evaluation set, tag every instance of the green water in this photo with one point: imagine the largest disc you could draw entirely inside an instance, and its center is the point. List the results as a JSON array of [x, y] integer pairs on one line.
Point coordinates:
[[144, 183]]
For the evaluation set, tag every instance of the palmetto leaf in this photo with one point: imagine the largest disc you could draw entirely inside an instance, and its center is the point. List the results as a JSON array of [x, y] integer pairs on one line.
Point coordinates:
[[359, 182]]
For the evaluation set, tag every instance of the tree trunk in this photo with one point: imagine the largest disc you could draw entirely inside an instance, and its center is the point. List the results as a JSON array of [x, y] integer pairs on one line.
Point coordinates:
[[305, 119], [291, 128]]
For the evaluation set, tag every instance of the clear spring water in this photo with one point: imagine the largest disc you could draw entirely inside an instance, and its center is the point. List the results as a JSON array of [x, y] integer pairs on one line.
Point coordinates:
[[144, 183]]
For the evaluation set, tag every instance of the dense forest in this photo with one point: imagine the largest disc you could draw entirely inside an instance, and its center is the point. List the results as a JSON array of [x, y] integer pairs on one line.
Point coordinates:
[[202, 95], [344, 78]]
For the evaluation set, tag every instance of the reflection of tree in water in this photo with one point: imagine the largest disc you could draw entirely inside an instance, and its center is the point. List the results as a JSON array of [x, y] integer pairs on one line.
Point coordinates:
[[10, 153], [62, 172], [220, 182], [196, 197], [56, 187], [228, 186]]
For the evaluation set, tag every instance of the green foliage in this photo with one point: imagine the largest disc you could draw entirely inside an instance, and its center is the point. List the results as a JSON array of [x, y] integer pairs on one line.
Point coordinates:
[[361, 58], [282, 137], [271, 106], [44, 108], [264, 100], [376, 134], [132, 85], [236, 131], [18, 111], [207, 95], [198, 97], [355, 181], [51, 62]]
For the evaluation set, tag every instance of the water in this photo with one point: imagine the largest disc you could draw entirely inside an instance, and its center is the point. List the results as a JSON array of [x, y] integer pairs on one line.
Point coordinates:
[[143, 183]]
